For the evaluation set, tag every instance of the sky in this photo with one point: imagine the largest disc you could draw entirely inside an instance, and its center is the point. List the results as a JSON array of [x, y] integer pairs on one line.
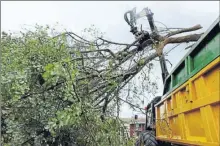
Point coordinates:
[[108, 17]]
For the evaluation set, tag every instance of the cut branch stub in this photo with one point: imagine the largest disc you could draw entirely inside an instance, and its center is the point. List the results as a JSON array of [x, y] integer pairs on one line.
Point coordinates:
[[173, 40]]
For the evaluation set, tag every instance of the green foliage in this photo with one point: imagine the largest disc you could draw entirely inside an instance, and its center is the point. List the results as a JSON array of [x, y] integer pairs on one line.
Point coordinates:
[[39, 102], [141, 62]]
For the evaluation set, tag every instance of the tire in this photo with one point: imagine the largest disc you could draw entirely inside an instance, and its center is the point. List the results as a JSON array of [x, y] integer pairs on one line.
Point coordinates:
[[137, 142], [148, 138]]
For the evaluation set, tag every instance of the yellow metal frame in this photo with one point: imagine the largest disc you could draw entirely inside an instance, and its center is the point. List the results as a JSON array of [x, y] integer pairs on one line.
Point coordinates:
[[190, 114]]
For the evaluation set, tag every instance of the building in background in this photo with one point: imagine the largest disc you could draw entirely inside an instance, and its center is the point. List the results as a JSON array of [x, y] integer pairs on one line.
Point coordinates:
[[133, 127]]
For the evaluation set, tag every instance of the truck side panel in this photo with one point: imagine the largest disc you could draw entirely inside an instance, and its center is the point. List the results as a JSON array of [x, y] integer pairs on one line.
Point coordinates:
[[190, 114]]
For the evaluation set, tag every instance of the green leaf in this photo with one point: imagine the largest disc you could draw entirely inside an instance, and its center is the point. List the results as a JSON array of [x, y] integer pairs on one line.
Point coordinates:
[[46, 75], [73, 73], [49, 67], [141, 62]]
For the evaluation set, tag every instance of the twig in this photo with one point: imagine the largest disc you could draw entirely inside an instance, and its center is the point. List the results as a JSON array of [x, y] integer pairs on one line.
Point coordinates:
[[131, 104], [116, 42], [79, 37], [91, 51], [189, 47], [169, 62], [173, 48]]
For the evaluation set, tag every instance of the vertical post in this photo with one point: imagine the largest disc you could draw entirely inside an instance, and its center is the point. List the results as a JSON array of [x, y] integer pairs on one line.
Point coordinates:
[[163, 67], [151, 20], [155, 32], [136, 124], [146, 118]]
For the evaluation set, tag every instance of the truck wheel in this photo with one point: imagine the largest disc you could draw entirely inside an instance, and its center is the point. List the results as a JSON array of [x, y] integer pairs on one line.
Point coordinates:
[[137, 142], [148, 139]]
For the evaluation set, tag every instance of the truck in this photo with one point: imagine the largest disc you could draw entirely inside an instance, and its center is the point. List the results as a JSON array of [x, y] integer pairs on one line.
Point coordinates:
[[188, 112]]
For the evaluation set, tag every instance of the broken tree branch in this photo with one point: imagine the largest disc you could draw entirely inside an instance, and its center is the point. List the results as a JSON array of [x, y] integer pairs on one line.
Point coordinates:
[[173, 40], [196, 27]]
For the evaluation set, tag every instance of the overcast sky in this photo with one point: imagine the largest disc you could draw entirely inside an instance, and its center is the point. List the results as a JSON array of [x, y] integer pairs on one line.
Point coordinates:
[[108, 16]]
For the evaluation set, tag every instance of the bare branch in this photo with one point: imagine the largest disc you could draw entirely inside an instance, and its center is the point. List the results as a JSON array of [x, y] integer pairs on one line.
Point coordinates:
[[196, 27], [115, 43], [131, 104], [189, 46], [182, 39], [90, 51]]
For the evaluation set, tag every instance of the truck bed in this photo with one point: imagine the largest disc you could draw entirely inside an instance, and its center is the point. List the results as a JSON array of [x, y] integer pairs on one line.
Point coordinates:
[[189, 111]]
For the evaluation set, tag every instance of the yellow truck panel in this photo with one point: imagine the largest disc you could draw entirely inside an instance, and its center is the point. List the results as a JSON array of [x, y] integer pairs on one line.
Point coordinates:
[[190, 114]]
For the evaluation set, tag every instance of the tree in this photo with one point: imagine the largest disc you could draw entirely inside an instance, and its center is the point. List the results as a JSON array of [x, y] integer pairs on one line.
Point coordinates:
[[65, 89]]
